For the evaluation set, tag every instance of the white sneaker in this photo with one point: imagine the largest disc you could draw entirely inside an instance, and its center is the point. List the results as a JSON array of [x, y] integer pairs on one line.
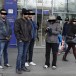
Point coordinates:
[[7, 65], [32, 63], [1, 67], [53, 67], [45, 66], [26, 64]]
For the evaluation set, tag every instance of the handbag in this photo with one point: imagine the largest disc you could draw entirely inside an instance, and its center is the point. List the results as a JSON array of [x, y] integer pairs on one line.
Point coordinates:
[[70, 39], [74, 40]]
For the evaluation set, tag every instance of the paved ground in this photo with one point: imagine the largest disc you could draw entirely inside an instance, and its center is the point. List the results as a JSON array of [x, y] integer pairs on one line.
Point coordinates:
[[63, 68]]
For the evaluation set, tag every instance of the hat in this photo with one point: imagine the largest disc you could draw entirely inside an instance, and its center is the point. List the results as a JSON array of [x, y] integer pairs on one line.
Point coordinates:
[[58, 18], [67, 19], [24, 11], [52, 17]]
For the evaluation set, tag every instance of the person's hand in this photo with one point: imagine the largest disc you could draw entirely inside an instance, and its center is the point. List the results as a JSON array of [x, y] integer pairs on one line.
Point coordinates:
[[7, 38], [20, 40], [63, 38]]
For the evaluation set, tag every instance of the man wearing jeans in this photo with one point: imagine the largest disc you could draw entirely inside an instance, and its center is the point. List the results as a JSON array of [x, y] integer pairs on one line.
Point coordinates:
[[22, 31], [29, 58], [5, 35]]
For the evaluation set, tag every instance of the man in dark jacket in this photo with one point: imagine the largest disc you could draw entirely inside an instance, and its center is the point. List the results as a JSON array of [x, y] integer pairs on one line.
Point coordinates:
[[22, 30], [64, 31], [34, 36], [71, 32], [65, 27], [5, 35]]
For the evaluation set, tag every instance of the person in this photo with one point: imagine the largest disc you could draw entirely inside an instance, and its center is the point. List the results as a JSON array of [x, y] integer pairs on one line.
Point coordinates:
[[5, 35], [64, 32], [70, 35], [52, 31], [34, 36], [65, 27], [22, 30], [38, 25], [59, 20]]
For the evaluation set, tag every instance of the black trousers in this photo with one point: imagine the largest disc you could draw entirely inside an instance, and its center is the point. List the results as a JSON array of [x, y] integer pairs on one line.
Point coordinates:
[[54, 47], [70, 45], [30, 51]]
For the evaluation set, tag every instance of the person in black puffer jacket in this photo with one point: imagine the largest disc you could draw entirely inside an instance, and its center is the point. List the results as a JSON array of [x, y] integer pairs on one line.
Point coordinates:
[[70, 35]]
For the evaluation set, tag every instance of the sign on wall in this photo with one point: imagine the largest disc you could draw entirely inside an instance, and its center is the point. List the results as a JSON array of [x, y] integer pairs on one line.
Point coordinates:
[[11, 7]]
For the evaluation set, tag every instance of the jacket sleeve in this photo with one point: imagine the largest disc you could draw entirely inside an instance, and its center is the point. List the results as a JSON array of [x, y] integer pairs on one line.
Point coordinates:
[[10, 29], [74, 29], [17, 29], [2, 30], [57, 30], [63, 31]]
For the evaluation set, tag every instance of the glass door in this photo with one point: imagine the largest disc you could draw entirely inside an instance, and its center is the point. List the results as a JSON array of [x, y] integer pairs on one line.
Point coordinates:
[[46, 11], [43, 8], [1, 3], [39, 22]]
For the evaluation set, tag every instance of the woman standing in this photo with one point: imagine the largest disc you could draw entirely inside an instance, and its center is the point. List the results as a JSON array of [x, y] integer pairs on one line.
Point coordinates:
[[52, 31]]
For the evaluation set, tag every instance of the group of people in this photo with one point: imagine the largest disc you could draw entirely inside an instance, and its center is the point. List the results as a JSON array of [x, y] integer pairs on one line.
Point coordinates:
[[67, 35], [25, 30]]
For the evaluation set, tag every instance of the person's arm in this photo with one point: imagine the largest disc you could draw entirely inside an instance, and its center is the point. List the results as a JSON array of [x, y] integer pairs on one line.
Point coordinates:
[[17, 29], [57, 31], [2, 29], [9, 32]]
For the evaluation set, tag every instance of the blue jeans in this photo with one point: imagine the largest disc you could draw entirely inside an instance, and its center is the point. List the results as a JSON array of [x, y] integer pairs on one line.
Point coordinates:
[[22, 52], [3, 50], [29, 55]]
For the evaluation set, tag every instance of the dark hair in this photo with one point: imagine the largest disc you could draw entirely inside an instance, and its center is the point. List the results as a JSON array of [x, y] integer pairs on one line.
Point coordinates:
[[24, 11], [2, 10], [59, 18], [29, 13], [71, 20]]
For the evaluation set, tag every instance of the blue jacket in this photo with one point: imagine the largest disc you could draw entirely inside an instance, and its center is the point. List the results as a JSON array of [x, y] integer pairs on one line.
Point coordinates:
[[60, 38], [34, 29], [5, 29]]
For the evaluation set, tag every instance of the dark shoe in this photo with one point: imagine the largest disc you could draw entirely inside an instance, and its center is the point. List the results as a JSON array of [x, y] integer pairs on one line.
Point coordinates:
[[25, 69], [64, 60], [7, 65], [18, 71]]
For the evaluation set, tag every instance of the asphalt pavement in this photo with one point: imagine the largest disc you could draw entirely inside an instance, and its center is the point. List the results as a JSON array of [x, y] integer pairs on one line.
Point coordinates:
[[63, 68]]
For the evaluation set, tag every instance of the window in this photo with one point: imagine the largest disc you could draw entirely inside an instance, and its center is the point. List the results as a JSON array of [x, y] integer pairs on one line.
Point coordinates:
[[59, 5]]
